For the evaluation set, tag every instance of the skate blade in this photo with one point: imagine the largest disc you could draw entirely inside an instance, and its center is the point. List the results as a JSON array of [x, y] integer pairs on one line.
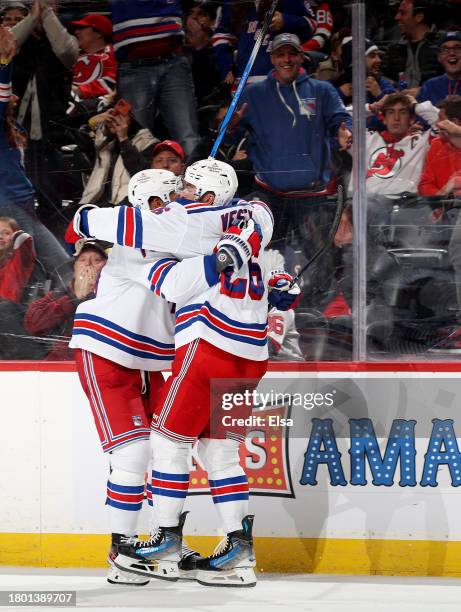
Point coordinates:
[[117, 576], [187, 574], [237, 577], [163, 570]]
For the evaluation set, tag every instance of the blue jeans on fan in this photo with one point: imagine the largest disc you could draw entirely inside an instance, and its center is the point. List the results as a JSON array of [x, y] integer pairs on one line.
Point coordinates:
[[165, 85]]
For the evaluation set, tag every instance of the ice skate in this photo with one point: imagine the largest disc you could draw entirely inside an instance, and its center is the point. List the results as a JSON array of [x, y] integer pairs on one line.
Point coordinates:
[[188, 563], [157, 557], [118, 576], [232, 563]]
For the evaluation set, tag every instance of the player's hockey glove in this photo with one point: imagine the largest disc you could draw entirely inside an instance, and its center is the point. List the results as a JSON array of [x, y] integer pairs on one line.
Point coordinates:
[[283, 294], [238, 245], [80, 220]]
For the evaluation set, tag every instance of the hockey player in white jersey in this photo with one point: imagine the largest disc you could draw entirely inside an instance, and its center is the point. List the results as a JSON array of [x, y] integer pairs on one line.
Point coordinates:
[[220, 333], [124, 337]]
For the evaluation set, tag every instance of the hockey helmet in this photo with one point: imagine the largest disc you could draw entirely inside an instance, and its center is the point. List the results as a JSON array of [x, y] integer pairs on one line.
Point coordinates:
[[150, 183], [215, 176]]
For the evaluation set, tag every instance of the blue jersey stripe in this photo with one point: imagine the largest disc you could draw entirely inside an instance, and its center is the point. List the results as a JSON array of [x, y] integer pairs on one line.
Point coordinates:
[[169, 493], [123, 330], [229, 498], [228, 481], [121, 225], [138, 228], [122, 506], [122, 347], [125, 489], [174, 477], [219, 315], [226, 334]]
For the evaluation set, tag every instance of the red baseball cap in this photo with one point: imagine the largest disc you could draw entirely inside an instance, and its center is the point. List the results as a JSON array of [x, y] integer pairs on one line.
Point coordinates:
[[97, 22], [169, 145]]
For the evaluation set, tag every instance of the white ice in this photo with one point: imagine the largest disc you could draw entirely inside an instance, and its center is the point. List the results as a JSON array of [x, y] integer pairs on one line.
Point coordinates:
[[274, 592]]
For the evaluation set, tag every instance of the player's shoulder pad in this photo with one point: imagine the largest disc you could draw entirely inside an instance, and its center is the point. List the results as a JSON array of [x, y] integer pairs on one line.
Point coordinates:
[[257, 204]]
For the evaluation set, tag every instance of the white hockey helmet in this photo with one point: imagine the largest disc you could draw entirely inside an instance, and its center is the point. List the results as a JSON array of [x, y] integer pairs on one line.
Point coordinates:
[[150, 183], [212, 175]]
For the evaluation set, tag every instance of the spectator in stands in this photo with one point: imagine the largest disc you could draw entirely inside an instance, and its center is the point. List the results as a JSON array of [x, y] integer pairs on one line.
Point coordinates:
[[331, 68], [450, 130], [441, 174], [449, 84], [319, 43], [16, 190], [17, 259], [238, 26], [290, 119], [168, 155], [153, 72], [52, 315], [376, 84], [415, 55], [199, 24], [12, 13], [43, 85], [88, 53], [396, 155], [121, 146], [233, 153]]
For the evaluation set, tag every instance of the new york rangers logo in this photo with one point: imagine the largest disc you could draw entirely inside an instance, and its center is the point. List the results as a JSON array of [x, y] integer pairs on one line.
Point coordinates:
[[385, 162], [309, 105]]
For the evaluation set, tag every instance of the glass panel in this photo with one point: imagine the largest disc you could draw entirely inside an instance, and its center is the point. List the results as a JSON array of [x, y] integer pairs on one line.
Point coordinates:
[[289, 148], [412, 189]]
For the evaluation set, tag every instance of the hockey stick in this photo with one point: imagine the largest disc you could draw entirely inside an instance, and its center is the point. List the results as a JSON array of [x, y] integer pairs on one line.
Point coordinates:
[[329, 241], [223, 259], [243, 79]]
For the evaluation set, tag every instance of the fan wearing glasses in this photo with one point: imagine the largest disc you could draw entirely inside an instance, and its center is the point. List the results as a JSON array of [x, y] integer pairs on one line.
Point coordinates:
[[449, 83]]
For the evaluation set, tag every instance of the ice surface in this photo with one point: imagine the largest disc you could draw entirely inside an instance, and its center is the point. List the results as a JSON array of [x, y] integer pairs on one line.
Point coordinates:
[[274, 592]]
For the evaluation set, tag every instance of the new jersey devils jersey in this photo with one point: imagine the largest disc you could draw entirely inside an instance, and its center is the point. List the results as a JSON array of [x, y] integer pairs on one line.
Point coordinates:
[[395, 166]]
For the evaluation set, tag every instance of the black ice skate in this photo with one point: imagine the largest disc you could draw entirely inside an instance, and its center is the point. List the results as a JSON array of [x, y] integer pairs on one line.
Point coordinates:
[[157, 557], [188, 563], [117, 576], [232, 563]]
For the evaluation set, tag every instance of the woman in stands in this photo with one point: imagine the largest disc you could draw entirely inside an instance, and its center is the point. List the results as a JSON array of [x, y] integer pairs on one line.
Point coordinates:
[[17, 259]]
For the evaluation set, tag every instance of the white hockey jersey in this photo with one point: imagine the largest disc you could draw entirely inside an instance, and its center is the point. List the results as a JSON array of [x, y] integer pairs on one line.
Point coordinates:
[[125, 322], [395, 167], [232, 314]]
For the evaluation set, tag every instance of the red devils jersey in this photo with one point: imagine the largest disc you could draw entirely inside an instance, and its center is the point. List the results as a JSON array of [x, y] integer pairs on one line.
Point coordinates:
[[94, 73]]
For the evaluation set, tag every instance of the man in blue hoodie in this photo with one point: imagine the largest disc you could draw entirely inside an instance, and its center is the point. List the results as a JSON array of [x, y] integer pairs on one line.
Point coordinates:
[[293, 122]]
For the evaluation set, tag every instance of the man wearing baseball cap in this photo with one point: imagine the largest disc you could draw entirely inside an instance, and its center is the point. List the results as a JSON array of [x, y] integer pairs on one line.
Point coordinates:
[[377, 86], [87, 52], [96, 22], [291, 120], [168, 155], [449, 83]]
